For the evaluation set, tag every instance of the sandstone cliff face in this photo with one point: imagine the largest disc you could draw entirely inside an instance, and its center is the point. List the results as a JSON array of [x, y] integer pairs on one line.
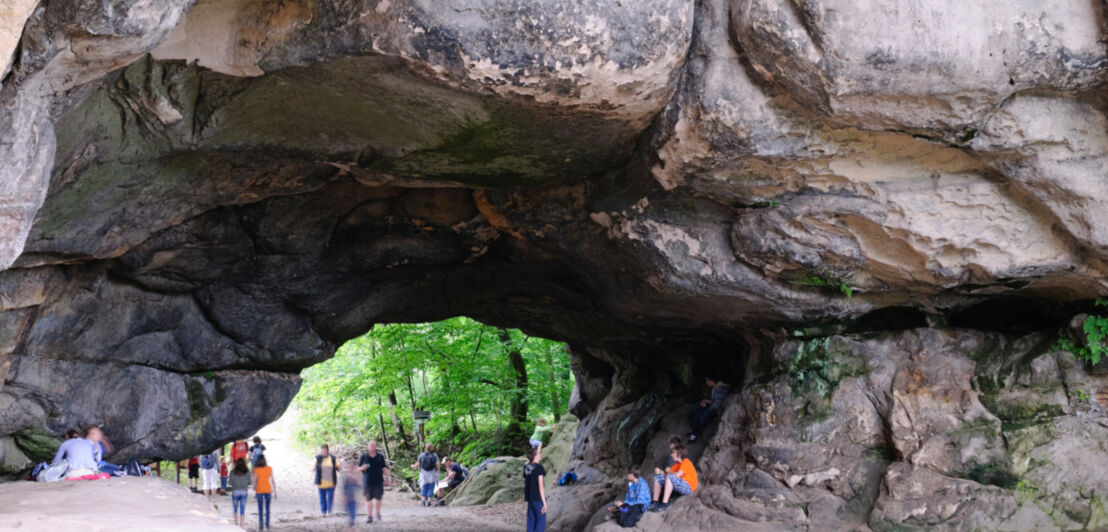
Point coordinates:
[[199, 200]]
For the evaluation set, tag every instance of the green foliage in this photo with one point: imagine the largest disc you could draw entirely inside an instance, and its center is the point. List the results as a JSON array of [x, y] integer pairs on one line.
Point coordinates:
[[1025, 491], [828, 280], [458, 369], [1095, 329], [1083, 396], [814, 368]]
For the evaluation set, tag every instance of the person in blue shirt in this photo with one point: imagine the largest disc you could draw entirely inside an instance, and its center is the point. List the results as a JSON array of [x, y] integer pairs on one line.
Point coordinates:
[[82, 453], [638, 492]]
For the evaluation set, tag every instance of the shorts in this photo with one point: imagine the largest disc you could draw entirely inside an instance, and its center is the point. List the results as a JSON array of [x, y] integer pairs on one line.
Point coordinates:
[[211, 478], [680, 486], [427, 490], [194, 470], [454, 483], [535, 443], [374, 491]]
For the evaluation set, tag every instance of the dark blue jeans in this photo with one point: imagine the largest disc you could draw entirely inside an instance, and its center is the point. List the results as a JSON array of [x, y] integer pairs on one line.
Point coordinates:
[[701, 415], [326, 500], [263, 517], [352, 509], [536, 520]]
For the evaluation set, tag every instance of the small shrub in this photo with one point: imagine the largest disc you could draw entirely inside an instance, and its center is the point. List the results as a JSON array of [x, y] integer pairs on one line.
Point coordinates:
[[1096, 332]]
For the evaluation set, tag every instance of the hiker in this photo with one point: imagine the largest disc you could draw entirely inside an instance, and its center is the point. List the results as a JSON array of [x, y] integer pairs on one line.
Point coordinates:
[[240, 484], [83, 453], [429, 467], [375, 474], [239, 449], [706, 409], [223, 476], [350, 488], [540, 428], [265, 489], [209, 472], [455, 475], [194, 473], [256, 450], [628, 511], [326, 470], [679, 479], [534, 492]]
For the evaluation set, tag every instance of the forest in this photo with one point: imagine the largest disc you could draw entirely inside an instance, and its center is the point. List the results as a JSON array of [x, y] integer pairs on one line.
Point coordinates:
[[482, 388]]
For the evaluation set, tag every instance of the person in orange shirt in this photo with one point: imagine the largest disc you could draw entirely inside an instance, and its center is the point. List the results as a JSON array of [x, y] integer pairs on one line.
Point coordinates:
[[265, 487], [679, 479]]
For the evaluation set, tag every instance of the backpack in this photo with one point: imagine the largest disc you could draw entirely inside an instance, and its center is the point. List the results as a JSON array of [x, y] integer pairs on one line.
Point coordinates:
[[567, 479], [206, 462], [133, 469], [465, 472], [427, 461], [255, 452], [55, 472], [629, 515]]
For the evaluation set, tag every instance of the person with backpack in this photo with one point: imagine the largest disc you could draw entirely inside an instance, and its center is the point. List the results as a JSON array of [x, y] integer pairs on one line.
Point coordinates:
[[326, 470], [239, 450], [455, 474], [628, 511], [534, 492], [265, 489], [209, 472], [429, 468], [240, 484], [256, 450]]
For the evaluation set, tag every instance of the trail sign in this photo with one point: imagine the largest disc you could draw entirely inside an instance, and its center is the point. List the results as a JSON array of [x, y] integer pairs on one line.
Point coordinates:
[[421, 415]]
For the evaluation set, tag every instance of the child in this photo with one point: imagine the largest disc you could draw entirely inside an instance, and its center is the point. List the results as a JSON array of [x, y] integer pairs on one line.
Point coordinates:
[[194, 473], [351, 485], [628, 511], [223, 477], [256, 450], [673, 443], [534, 492], [240, 483], [265, 488], [540, 428], [680, 479]]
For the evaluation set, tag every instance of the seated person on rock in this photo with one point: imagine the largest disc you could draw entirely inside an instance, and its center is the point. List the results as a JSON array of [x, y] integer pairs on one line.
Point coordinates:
[[706, 409], [455, 475], [679, 479], [83, 453], [638, 495]]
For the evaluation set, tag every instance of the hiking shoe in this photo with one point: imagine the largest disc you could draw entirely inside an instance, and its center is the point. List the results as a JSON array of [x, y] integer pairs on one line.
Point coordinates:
[[378, 517], [658, 506], [692, 437], [369, 519]]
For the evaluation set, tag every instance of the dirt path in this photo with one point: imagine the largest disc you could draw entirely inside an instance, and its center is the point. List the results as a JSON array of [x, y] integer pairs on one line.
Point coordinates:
[[297, 505]]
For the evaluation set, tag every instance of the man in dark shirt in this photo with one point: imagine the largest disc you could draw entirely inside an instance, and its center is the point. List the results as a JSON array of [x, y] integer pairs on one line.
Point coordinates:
[[534, 492], [375, 474], [706, 409], [455, 475]]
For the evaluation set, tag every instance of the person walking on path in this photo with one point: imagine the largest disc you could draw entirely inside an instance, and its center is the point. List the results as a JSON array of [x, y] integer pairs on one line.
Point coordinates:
[[194, 474], [209, 472], [240, 484], [350, 488], [239, 449], [429, 467], [534, 492], [256, 450], [326, 470], [375, 474], [265, 489]]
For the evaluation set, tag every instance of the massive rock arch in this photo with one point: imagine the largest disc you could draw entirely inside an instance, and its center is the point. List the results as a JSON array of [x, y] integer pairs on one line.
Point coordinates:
[[869, 220]]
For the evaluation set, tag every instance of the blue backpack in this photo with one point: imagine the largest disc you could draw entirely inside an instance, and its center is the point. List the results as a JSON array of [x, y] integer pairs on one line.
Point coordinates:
[[206, 462], [567, 479]]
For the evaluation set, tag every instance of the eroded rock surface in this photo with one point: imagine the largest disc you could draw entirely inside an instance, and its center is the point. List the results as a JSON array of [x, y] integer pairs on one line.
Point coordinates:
[[200, 199]]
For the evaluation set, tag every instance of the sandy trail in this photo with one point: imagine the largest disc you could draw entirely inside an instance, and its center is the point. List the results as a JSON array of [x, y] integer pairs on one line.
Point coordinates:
[[297, 504]]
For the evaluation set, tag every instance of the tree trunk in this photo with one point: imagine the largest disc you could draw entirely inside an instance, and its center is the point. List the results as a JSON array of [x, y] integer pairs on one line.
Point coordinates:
[[555, 386], [397, 424], [518, 417]]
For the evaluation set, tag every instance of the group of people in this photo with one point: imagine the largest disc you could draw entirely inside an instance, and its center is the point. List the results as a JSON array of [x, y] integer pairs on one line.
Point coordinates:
[[84, 453], [248, 469]]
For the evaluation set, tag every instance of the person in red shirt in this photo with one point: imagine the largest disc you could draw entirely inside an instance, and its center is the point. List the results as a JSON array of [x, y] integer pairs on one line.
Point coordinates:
[[194, 472], [223, 477], [239, 449]]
